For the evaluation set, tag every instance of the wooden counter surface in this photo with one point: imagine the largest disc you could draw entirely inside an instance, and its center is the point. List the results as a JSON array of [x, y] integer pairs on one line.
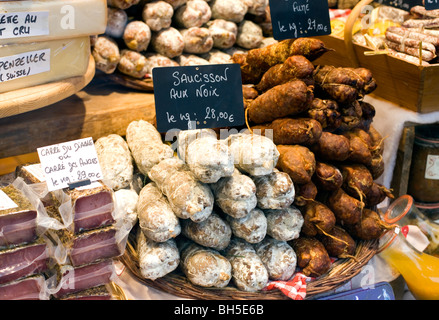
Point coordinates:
[[101, 108]]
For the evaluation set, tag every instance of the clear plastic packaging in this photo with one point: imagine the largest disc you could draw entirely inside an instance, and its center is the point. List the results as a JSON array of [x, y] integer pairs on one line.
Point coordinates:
[[71, 279], [25, 260], [83, 208], [20, 211], [102, 292], [92, 206], [404, 212], [90, 246], [29, 288]]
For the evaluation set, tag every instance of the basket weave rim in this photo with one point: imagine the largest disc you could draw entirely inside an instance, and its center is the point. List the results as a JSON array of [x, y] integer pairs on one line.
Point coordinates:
[[175, 283]]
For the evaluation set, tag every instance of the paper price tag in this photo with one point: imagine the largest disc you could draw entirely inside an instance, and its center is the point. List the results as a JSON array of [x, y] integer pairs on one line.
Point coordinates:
[[432, 167], [24, 64], [69, 162]]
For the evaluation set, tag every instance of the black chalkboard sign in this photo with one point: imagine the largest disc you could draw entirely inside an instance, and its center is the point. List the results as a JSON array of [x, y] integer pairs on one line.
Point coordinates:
[[401, 4], [431, 4], [299, 18], [195, 97]]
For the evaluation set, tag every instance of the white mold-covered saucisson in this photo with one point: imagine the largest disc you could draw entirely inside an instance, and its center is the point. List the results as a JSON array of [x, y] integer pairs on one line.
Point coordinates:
[[275, 190], [235, 195], [254, 154], [205, 267], [213, 232], [106, 54], [137, 36], [168, 42], [158, 15], [132, 63], [231, 10], [223, 33], [188, 197], [248, 271], [284, 224], [122, 4], [156, 218], [197, 40], [115, 161], [146, 145], [250, 35], [252, 228], [194, 13], [278, 257], [209, 159], [117, 19], [156, 259]]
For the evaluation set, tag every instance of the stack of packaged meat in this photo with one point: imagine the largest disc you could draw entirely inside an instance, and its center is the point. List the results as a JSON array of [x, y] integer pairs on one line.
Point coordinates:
[[66, 240], [24, 253]]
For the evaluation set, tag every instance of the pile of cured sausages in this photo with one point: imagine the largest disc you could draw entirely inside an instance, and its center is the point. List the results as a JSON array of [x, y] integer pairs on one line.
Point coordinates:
[[417, 38], [143, 34]]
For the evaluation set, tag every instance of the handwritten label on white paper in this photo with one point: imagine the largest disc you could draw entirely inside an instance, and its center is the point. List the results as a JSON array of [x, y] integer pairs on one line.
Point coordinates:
[[69, 162], [432, 167], [24, 24], [24, 64]]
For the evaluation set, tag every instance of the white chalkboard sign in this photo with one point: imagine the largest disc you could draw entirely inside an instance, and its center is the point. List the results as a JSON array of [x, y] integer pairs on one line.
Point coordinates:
[[299, 18], [68, 163], [194, 97]]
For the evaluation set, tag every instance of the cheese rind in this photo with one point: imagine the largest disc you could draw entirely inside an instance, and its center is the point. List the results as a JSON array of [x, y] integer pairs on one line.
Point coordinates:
[[30, 64], [42, 20]]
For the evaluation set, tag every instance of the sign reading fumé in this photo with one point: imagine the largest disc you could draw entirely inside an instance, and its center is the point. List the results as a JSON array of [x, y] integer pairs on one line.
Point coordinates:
[[194, 97], [70, 162], [299, 18]]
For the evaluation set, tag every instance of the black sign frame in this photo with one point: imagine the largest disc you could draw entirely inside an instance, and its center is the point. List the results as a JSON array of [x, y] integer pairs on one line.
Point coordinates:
[[195, 97]]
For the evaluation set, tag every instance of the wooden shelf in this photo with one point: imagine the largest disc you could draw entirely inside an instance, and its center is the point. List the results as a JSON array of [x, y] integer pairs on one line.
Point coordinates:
[[99, 109]]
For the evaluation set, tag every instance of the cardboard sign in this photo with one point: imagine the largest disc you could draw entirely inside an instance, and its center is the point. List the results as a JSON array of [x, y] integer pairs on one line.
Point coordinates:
[[70, 162], [401, 4], [194, 97], [299, 18], [431, 4]]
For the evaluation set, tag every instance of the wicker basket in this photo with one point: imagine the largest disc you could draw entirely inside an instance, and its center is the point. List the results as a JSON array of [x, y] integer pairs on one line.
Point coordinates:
[[177, 284]]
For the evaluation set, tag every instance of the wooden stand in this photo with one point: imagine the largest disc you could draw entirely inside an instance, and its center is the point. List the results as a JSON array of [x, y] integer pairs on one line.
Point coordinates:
[[101, 108]]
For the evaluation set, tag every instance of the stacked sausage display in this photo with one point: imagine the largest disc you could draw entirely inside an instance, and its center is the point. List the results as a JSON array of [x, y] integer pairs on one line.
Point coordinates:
[[261, 204], [141, 35]]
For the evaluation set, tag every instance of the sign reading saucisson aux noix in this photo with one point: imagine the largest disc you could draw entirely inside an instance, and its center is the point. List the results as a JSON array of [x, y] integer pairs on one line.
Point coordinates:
[[195, 97]]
